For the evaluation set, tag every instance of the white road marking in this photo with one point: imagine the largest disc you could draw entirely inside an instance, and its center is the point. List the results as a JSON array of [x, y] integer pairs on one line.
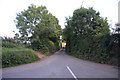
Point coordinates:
[[72, 73]]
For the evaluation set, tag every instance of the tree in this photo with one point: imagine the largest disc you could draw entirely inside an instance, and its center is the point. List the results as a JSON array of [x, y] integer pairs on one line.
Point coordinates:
[[87, 36], [36, 23], [84, 25]]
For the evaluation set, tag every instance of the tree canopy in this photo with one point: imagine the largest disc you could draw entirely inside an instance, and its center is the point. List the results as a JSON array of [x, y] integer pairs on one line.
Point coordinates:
[[87, 36], [37, 24]]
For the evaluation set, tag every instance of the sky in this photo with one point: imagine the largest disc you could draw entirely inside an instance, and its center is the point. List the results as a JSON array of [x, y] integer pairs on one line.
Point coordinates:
[[59, 8]]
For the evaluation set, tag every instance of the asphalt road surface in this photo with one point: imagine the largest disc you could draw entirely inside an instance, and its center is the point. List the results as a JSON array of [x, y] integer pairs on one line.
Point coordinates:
[[61, 65]]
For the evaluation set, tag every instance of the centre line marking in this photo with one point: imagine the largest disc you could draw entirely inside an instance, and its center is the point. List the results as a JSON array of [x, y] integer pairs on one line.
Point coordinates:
[[72, 73]]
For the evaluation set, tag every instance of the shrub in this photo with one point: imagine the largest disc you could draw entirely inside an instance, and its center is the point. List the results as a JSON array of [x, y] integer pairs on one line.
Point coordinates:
[[50, 45], [7, 44], [11, 43], [38, 45], [44, 45], [17, 56]]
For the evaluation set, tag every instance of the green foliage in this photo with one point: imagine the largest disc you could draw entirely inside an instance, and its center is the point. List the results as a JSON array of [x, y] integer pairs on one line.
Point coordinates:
[[17, 56], [14, 53], [39, 45], [39, 27], [10, 43], [87, 36], [44, 46], [47, 54]]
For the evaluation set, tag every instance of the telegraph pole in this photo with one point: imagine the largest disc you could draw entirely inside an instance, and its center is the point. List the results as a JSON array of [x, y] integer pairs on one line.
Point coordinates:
[[118, 24], [82, 3], [119, 12]]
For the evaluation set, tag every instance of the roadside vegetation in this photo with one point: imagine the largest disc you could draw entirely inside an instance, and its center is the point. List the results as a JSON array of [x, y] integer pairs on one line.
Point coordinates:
[[39, 27], [38, 31], [88, 37], [16, 53]]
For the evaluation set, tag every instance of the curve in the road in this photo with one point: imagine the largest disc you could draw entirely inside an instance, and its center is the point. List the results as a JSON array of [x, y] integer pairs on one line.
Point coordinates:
[[56, 67]]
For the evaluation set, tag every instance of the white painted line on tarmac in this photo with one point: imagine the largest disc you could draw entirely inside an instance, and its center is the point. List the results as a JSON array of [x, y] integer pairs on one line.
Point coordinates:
[[72, 73]]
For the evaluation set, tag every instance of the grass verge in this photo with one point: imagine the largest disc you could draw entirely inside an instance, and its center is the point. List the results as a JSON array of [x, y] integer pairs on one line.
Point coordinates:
[[17, 56]]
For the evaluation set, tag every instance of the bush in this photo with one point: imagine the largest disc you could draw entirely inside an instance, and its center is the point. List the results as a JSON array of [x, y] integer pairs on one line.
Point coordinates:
[[11, 43], [17, 56], [7, 44], [50, 45], [38, 45], [44, 46]]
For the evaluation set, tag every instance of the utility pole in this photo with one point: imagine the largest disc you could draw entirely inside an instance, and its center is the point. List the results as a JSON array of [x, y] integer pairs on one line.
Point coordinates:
[[82, 3], [119, 12], [118, 24]]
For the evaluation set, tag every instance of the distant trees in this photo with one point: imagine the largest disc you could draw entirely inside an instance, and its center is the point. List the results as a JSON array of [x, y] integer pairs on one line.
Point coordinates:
[[87, 36], [37, 25]]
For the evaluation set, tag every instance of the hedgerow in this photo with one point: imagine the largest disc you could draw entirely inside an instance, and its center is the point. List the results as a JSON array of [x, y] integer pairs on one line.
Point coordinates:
[[88, 37], [17, 56]]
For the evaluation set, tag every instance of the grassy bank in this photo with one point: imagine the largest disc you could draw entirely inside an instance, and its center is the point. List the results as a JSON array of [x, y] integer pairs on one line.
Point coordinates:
[[17, 53], [17, 56]]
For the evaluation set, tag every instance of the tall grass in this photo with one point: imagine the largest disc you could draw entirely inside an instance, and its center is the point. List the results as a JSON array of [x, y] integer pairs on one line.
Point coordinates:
[[17, 56]]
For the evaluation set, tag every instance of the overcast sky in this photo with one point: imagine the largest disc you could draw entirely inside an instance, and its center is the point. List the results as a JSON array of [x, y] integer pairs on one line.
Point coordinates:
[[59, 8]]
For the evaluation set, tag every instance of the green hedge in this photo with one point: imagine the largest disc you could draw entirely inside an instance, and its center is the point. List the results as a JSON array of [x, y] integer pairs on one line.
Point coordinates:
[[45, 46], [7, 44], [88, 37], [10, 44], [17, 56]]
